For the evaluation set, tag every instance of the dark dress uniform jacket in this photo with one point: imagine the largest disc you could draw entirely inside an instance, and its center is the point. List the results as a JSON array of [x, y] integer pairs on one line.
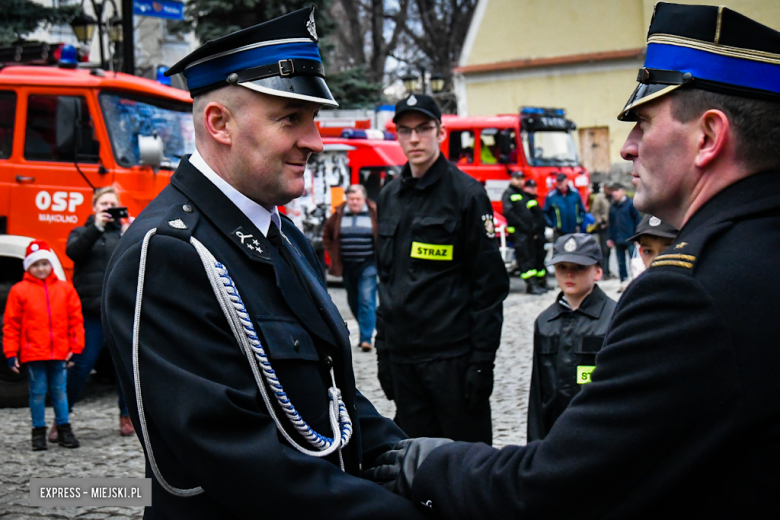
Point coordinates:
[[682, 417], [208, 424], [442, 279], [564, 340]]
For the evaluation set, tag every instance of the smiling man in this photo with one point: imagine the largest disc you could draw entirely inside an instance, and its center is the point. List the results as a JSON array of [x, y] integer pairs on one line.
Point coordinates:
[[235, 362], [682, 415], [442, 284]]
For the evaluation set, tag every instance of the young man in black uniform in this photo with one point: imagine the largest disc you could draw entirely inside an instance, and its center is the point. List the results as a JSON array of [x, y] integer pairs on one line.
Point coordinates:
[[682, 414], [441, 286], [569, 333], [520, 225], [235, 361]]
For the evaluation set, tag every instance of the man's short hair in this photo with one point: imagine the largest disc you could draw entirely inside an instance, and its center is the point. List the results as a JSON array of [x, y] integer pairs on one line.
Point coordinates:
[[561, 177], [756, 123], [357, 188]]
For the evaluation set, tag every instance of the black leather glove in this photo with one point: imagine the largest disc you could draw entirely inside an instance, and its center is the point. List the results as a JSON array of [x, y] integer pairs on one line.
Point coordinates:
[[479, 384], [385, 376], [394, 470]]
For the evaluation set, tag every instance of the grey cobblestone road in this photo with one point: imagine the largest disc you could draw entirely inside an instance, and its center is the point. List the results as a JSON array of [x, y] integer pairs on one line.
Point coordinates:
[[104, 453]]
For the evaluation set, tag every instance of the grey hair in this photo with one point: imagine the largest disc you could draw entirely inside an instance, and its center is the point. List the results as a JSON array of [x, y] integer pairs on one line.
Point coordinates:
[[357, 188]]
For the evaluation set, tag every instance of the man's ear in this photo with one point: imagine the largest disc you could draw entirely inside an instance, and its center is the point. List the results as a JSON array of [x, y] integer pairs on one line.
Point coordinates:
[[217, 120], [715, 136], [442, 133]]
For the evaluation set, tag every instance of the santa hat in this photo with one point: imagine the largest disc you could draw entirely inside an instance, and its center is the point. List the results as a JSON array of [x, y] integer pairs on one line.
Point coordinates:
[[38, 250]]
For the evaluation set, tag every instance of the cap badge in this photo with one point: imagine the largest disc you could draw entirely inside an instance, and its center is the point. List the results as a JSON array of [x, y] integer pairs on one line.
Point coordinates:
[[570, 245], [411, 101], [177, 224], [34, 247], [654, 221], [311, 27]]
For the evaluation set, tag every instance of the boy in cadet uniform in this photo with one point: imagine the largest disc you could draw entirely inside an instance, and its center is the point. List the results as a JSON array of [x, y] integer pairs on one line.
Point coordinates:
[[569, 333], [653, 236]]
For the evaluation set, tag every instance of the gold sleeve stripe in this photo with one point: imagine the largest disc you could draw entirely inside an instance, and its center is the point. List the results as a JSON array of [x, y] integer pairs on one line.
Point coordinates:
[[675, 263], [723, 50], [688, 258]]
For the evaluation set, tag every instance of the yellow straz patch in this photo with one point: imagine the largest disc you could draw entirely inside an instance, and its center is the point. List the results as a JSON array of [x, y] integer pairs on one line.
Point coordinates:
[[583, 374], [431, 251]]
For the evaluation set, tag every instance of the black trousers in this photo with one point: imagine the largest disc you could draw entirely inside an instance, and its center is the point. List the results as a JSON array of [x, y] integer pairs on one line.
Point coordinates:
[[524, 254], [430, 402], [536, 245], [603, 236]]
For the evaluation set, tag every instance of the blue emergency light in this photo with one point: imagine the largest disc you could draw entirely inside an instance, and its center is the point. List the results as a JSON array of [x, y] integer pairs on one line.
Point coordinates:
[[68, 57]]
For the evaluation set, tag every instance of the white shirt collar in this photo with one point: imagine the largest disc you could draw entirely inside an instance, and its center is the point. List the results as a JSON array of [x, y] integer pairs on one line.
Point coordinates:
[[259, 216]]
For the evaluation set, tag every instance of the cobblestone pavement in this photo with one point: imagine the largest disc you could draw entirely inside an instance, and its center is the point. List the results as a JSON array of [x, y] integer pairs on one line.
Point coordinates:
[[104, 453]]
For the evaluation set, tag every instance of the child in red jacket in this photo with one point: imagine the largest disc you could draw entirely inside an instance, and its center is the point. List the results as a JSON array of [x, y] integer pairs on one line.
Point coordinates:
[[44, 328]]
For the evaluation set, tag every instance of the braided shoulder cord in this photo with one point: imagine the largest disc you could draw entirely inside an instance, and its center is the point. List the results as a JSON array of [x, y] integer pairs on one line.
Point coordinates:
[[235, 312]]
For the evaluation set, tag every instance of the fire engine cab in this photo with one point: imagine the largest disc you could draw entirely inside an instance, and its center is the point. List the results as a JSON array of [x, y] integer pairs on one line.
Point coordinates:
[[65, 131]]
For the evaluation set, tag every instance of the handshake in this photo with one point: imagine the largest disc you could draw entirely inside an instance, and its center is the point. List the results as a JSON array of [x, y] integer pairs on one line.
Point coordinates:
[[395, 469]]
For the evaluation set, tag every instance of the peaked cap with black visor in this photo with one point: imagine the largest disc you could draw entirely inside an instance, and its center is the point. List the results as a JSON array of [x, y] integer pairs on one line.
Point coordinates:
[[279, 57], [708, 48]]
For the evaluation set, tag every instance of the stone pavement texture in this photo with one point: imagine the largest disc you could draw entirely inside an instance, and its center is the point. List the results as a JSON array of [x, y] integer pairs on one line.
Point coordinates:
[[103, 453]]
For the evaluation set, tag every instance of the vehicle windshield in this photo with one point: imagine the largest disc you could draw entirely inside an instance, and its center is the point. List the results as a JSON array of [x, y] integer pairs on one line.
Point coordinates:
[[127, 117], [550, 148]]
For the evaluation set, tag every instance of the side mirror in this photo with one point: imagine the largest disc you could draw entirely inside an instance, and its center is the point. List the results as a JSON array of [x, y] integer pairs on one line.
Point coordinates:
[[150, 150], [68, 122]]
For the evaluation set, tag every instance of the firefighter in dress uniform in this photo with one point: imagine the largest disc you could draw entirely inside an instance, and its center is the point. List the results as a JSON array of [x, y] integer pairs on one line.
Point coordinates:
[[235, 361], [442, 283], [682, 414]]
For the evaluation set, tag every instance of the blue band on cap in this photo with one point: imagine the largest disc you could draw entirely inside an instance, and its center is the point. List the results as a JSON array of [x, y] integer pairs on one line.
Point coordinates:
[[714, 67], [219, 69]]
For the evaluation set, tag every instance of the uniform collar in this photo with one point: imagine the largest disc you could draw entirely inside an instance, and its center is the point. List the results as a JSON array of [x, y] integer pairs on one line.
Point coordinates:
[[591, 306], [256, 213], [429, 178]]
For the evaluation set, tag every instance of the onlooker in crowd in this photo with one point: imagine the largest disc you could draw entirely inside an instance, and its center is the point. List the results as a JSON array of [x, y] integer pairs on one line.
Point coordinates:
[[569, 333], [442, 287], [43, 328], [349, 236], [653, 236], [623, 219], [517, 206], [563, 208], [599, 208], [90, 247]]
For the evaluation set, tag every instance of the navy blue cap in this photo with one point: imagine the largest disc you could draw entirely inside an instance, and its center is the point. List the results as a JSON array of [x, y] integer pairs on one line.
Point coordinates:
[[418, 103], [709, 48], [279, 57], [577, 248]]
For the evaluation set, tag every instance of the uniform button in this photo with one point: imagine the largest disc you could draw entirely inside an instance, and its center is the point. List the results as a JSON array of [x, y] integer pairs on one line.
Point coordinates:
[[329, 362], [297, 345], [187, 208]]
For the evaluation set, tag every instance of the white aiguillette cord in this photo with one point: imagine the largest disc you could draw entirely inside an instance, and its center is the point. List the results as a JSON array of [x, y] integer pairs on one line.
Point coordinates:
[[234, 310]]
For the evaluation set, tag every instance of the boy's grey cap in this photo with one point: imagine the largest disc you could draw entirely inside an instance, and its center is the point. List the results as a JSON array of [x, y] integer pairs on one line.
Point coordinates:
[[654, 226], [577, 248]]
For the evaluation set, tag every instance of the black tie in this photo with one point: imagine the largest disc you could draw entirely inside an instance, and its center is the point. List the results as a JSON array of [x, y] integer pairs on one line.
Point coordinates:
[[275, 237]]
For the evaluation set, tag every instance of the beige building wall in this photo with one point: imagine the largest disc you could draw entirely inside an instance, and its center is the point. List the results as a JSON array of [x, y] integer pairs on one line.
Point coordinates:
[[572, 54], [519, 29]]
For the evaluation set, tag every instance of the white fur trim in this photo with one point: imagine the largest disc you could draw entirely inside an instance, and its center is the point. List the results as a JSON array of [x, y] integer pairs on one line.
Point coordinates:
[[39, 255]]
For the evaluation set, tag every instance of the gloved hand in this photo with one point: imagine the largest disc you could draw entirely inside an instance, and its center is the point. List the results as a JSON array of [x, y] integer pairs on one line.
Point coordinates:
[[385, 376], [479, 384], [394, 470], [13, 364]]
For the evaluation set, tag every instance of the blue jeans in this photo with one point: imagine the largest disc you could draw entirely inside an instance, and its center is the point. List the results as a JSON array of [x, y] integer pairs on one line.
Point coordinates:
[[621, 250], [51, 376], [360, 283], [79, 372]]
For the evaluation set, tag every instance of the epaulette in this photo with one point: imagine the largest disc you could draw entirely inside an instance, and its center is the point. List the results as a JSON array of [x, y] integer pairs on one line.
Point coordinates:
[[179, 222], [688, 247]]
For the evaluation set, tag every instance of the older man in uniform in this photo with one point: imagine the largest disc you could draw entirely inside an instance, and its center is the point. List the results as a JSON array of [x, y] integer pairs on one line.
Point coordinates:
[[682, 417], [236, 362]]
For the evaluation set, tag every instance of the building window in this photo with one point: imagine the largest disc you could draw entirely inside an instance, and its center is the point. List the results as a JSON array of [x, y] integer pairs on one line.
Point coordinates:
[[7, 118]]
